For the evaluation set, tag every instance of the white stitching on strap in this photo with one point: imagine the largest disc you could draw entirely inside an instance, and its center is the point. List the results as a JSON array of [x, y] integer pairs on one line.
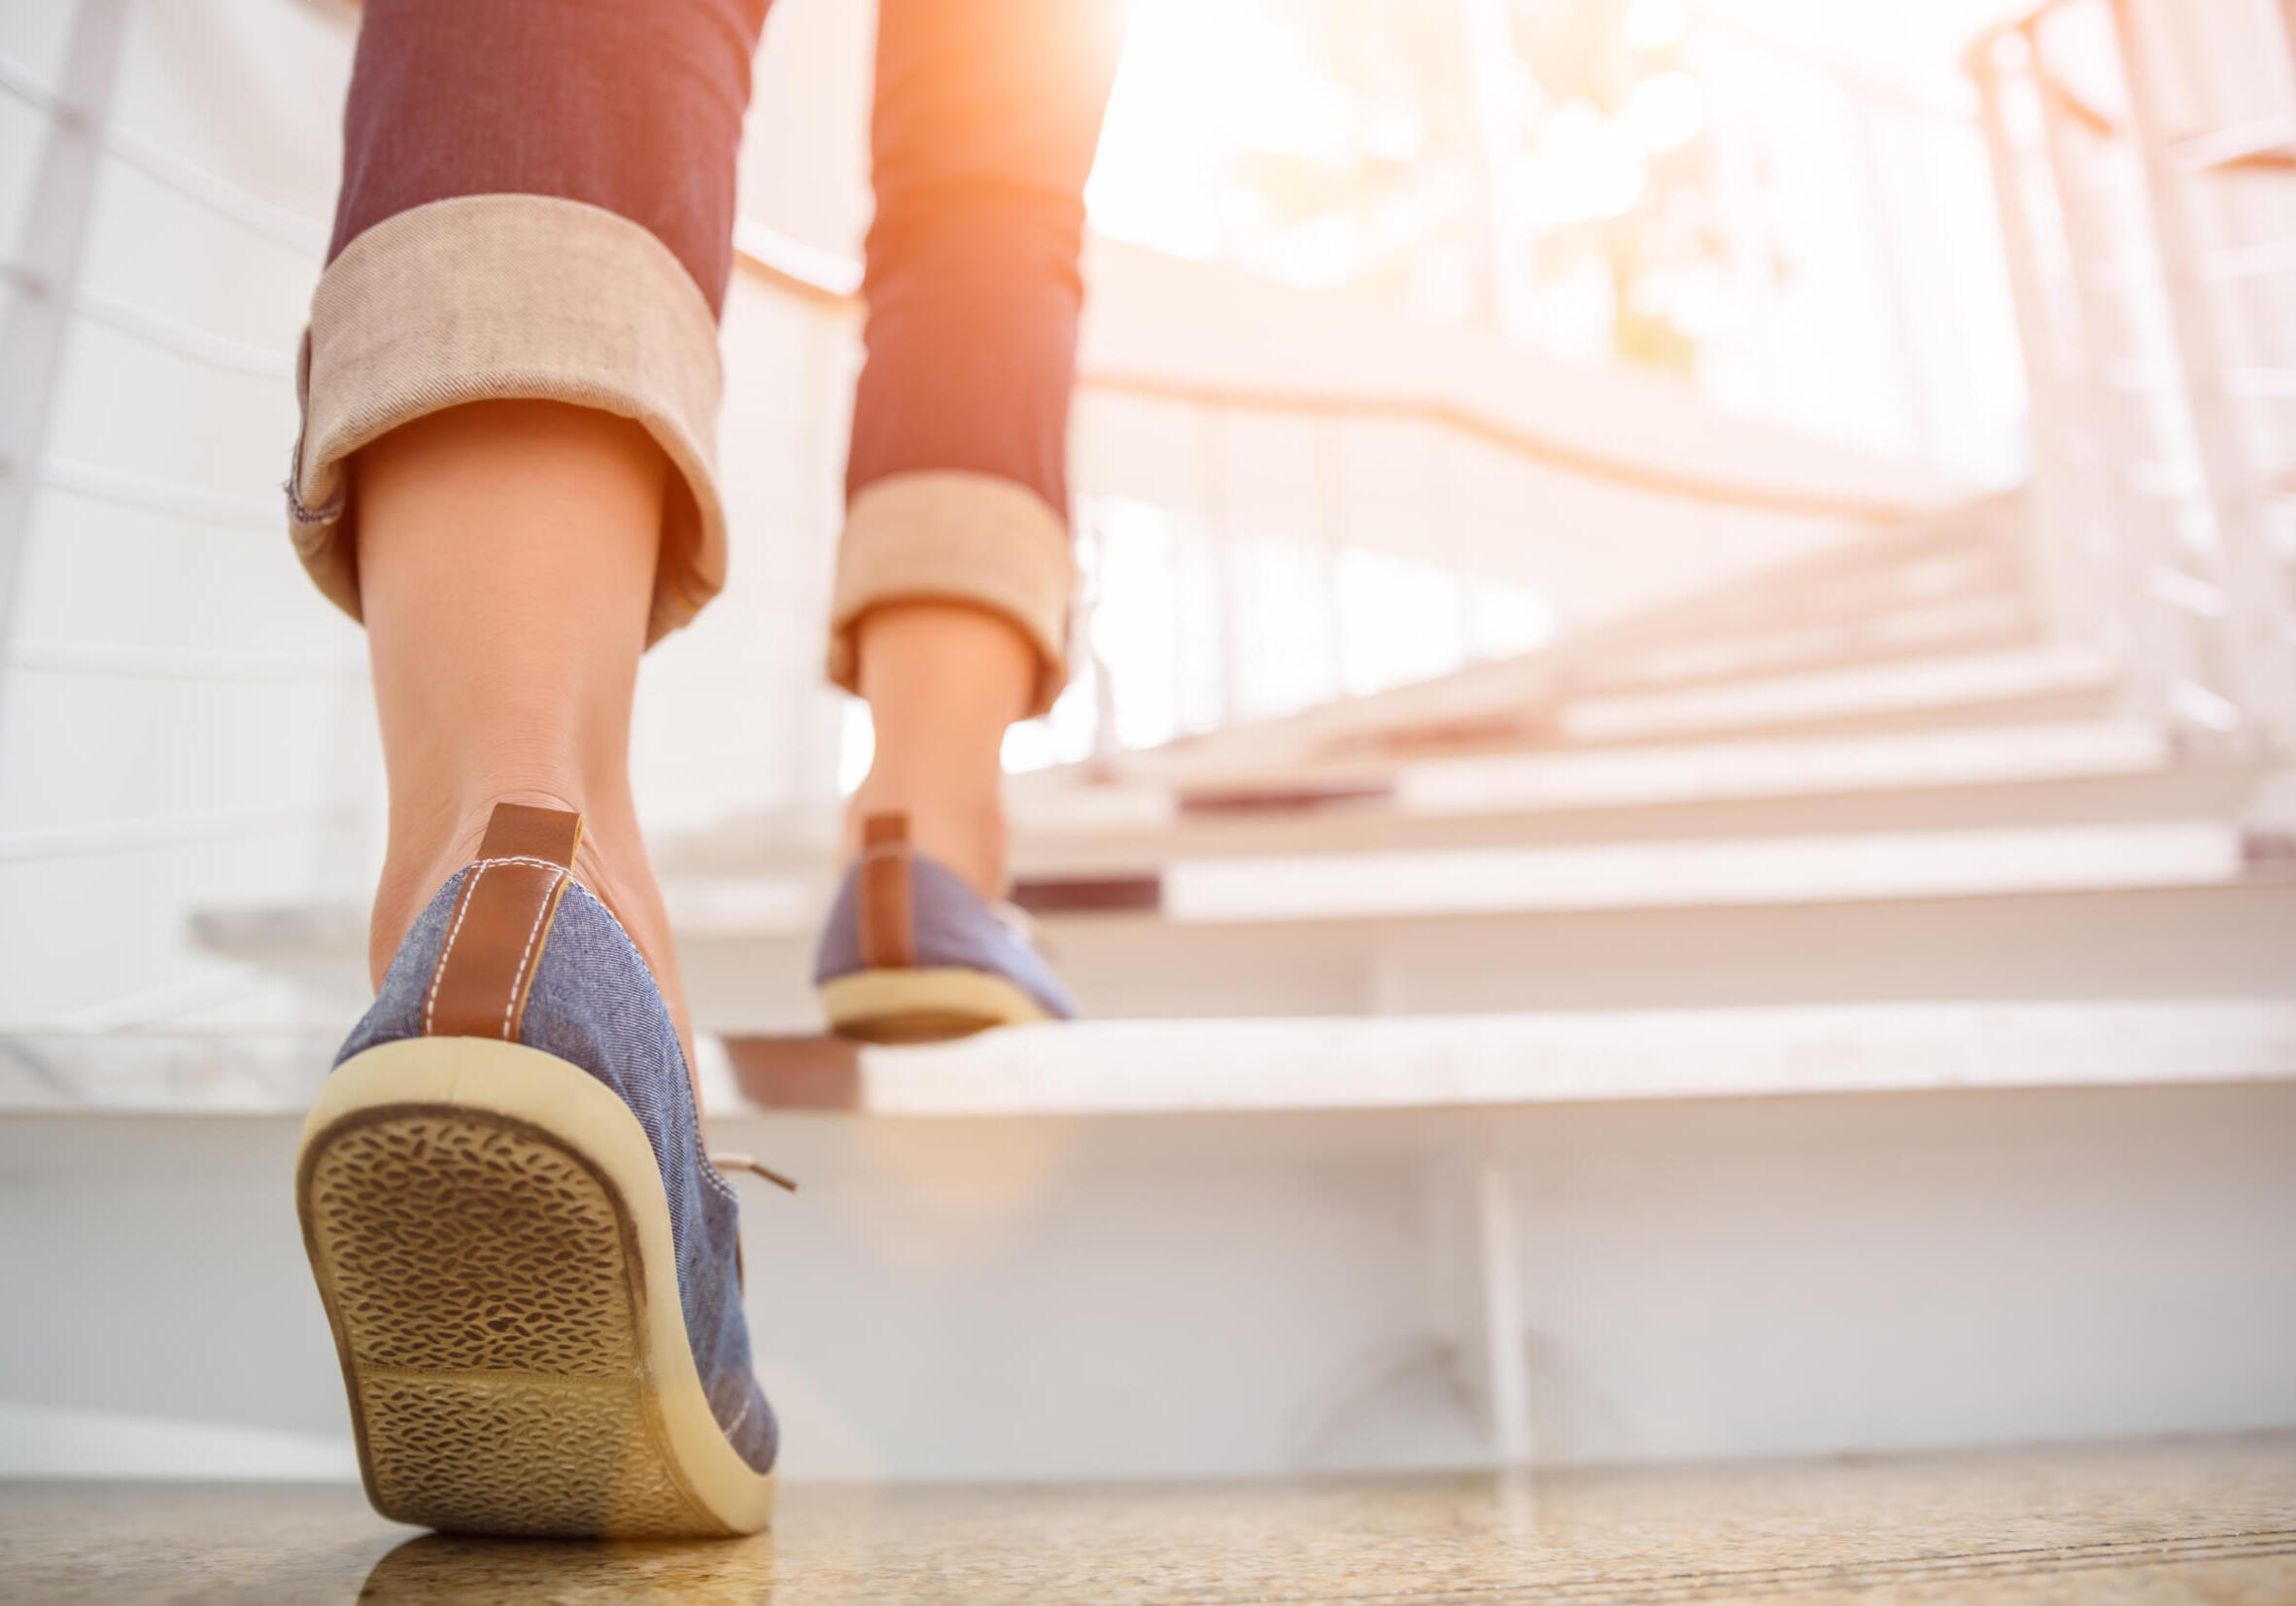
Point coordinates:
[[439, 970], [522, 859], [542, 916]]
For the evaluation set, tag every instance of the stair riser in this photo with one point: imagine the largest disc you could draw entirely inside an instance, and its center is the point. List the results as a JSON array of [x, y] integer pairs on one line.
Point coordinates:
[[1255, 1295]]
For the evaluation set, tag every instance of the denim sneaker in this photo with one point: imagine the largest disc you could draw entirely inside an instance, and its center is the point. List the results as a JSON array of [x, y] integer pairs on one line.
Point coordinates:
[[912, 954], [531, 1267]]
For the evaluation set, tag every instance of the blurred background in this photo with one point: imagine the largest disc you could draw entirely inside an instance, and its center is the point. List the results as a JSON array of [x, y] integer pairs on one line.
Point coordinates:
[[1722, 568]]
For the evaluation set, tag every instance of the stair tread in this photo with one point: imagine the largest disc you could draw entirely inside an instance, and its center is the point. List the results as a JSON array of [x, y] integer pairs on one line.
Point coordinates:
[[1047, 818], [1945, 691], [1690, 874], [1141, 1067]]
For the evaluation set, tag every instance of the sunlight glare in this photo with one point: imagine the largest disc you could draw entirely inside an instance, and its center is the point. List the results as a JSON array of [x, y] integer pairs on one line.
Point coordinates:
[[1201, 80], [1667, 111], [1655, 24], [1582, 166]]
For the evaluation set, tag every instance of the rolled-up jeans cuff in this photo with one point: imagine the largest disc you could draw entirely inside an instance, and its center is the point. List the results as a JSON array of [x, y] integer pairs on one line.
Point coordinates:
[[502, 297], [953, 536]]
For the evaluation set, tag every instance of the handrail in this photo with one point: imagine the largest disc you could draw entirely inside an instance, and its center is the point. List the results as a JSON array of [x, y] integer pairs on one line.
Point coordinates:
[[825, 279], [804, 271], [1517, 442], [2095, 119], [2022, 21]]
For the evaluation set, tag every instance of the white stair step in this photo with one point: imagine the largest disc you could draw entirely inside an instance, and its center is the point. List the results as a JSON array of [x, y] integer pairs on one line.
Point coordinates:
[[1945, 590], [1518, 706], [1244, 1064], [1935, 690], [2070, 772], [1968, 624], [1589, 876], [2223, 940], [1134, 1067], [1698, 772], [2175, 919], [2021, 775], [1626, 876]]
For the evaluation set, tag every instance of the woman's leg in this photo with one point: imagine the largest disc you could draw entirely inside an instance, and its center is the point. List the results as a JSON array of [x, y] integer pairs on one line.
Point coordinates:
[[510, 384], [953, 575], [506, 560]]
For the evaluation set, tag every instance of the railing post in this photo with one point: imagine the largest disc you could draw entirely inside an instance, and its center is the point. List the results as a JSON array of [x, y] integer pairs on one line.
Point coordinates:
[[1480, 1294], [1487, 41], [1919, 416], [2257, 618], [1090, 520], [2140, 532], [1331, 544], [2064, 577], [1229, 592]]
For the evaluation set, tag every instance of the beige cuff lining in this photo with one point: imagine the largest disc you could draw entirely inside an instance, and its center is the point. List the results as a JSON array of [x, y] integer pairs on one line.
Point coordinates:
[[496, 297], [957, 536]]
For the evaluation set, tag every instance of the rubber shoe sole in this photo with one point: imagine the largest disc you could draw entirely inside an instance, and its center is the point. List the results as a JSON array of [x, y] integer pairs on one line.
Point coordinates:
[[923, 1004], [488, 1233]]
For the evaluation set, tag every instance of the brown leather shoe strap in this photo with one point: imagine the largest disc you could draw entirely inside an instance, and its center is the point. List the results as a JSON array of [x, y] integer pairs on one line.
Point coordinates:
[[495, 937], [888, 895]]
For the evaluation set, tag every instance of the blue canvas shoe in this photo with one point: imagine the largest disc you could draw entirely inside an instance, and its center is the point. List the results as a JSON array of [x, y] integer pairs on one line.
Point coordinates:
[[531, 1266], [912, 954]]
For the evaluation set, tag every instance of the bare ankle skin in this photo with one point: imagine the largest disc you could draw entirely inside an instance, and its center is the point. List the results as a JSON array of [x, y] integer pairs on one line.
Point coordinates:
[[943, 681], [506, 569]]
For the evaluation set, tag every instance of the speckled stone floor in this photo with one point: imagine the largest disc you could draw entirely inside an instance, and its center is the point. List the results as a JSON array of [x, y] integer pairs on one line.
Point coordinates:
[[2210, 1520]]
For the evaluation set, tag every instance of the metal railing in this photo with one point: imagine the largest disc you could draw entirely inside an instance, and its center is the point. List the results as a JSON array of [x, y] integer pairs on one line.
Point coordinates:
[[2153, 448]]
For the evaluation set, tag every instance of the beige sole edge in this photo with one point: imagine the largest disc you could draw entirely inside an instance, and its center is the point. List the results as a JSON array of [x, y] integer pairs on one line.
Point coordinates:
[[875, 1003], [498, 1106]]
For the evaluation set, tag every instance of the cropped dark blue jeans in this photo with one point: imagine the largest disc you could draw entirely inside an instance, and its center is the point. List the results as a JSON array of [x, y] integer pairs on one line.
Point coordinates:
[[538, 202]]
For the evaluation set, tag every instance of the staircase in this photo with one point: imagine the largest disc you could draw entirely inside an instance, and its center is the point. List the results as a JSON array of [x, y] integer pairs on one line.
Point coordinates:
[[1868, 775], [1871, 775], [1847, 1005], [1444, 1043]]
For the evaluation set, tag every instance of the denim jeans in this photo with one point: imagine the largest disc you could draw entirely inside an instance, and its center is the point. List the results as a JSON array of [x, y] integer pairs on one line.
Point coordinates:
[[539, 202]]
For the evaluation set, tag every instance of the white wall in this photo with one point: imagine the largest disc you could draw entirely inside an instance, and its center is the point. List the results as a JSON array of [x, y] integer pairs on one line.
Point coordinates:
[[168, 667]]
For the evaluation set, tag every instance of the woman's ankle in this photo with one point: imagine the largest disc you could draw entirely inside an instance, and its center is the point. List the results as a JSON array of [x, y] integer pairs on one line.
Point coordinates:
[[942, 682]]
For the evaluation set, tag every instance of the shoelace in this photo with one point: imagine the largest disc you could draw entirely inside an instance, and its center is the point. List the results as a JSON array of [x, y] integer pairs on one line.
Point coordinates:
[[749, 1163], [1024, 924]]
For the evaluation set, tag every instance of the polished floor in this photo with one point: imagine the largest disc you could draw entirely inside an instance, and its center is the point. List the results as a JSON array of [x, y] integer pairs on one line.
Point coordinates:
[[2208, 1521]]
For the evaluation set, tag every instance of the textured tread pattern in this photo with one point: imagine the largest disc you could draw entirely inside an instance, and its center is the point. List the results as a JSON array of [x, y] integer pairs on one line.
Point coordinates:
[[486, 1300], [530, 1457], [490, 1235]]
